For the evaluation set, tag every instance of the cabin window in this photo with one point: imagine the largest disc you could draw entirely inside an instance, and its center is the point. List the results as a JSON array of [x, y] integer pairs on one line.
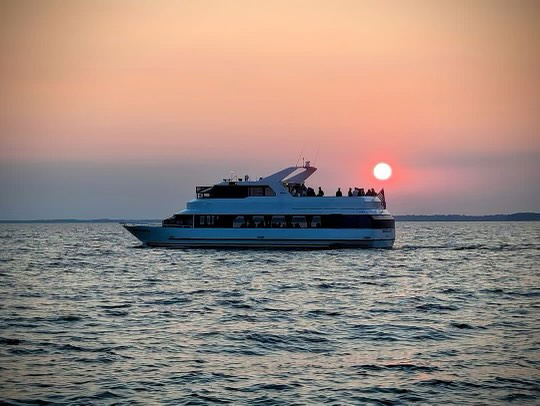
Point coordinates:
[[256, 191], [249, 221], [179, 220], [214, 221], [261, 191], [222, 221], [299, 222], [239, 222], [268, 191], [228, 192], [344, 221], [259, 221], [206, 221], [282, 221], [232, 191], [278, 221], [331, 221]]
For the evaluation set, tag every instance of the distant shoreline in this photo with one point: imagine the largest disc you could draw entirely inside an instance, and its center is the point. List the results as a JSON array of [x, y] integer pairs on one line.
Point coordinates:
[[528, 216], [525, 216]]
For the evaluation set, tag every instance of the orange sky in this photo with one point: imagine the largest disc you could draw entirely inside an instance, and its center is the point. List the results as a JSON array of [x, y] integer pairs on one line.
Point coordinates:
[[447, 92]]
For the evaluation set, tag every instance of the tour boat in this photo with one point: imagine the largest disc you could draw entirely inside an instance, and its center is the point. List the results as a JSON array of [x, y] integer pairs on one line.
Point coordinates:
[[276, 211]]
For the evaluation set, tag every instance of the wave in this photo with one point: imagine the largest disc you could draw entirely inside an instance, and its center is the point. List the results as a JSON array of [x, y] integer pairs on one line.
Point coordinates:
[[436, 307], [10, 341], [469, 247], [406, 367], [170, 301]]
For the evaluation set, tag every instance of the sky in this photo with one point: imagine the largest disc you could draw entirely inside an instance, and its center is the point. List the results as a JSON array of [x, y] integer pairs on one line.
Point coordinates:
[[120, 108]]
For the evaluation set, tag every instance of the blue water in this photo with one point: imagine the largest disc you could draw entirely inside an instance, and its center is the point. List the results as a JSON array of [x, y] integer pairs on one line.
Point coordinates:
[[450, 315]]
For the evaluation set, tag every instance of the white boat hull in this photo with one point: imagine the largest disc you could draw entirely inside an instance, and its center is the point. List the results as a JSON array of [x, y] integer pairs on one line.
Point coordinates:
[[173, 237]]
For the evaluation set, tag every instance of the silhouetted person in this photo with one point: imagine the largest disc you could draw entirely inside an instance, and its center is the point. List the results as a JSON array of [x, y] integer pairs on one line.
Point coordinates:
[[321, 193], [350, 192], [338, 193], [310, 191], [361, 192]]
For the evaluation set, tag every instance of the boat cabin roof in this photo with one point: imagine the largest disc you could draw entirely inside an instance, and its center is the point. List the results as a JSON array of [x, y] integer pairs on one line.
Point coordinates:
[[266, 186]]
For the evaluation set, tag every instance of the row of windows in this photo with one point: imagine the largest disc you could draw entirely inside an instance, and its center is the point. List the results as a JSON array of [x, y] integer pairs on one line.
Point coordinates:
[[232, 191], [280, 221]]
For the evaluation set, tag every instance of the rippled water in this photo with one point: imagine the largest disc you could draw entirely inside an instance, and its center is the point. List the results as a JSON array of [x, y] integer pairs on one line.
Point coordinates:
[[451, 314]]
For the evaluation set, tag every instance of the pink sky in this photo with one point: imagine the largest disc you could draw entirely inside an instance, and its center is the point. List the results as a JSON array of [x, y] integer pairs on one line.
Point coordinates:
[[447, 92]]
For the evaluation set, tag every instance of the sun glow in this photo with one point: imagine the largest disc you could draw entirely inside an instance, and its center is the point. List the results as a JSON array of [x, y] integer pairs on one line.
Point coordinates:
[[382, 171]]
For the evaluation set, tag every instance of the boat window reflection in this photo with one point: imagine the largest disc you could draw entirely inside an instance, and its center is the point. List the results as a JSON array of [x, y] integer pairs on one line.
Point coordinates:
[[239, 222]]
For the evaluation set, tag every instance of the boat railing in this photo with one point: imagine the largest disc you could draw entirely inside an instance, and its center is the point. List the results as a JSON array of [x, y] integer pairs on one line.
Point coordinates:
[[370, 193]]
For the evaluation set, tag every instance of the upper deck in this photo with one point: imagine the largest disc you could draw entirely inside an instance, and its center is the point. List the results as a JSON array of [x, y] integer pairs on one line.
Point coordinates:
[[279, 183], [281, 192]]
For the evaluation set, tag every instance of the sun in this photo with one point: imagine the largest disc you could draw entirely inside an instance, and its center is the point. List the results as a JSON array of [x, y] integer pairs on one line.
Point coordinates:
[[382, 171]]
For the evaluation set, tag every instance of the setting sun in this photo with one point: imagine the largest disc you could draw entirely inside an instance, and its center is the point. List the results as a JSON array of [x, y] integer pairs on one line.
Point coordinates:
[[382, 171]]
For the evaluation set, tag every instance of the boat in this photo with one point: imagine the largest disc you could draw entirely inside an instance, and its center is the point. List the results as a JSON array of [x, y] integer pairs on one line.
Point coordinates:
[[276, 211]]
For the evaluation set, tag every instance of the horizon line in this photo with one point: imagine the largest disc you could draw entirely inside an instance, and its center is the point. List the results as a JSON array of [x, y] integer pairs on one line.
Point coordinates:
[[109, 219]]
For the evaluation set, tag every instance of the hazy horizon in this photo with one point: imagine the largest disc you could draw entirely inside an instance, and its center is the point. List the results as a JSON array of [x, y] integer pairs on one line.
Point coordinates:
[[119, 109], [113, 219]]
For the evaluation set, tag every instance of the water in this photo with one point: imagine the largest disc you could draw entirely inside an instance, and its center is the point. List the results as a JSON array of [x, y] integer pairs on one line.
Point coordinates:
[[451, 314]]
